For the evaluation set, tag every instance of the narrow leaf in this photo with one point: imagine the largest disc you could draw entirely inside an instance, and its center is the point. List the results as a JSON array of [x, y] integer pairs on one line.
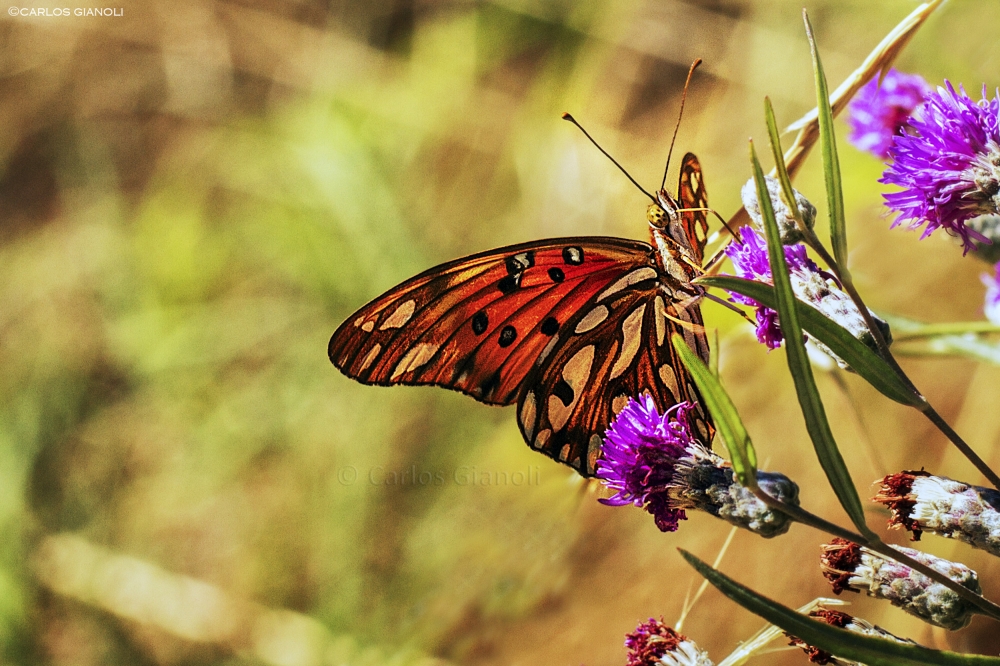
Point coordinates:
[[831, 164], [779, 163], [798, 363], [840, 642], [862, 359], [727, 419]]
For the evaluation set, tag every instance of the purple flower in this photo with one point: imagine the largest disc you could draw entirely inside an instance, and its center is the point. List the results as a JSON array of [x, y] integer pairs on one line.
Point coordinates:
[[653, 461], [641, 450], [948, 166], [653, 643], [992, 306], [881, 109], [751, 262]]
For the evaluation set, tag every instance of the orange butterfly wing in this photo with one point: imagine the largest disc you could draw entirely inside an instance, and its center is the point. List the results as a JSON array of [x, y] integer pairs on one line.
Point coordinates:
[[618, 346], [480, 324], [569, 328]]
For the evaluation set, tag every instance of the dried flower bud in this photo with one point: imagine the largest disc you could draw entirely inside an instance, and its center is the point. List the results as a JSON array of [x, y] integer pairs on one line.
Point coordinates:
[[844, 621], [654, 461], [787, 226], [849, 566], [655, 644], [921, 502]]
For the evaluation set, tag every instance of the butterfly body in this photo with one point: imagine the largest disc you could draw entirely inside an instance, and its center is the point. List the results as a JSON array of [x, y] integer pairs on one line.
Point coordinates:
[[568, 328]]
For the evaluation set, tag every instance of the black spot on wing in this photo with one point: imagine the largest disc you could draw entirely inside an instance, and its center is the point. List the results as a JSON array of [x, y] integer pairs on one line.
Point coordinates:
[[550, 326], [509, 284], [507, 336], [556, 274], [517, 263], [573, 255], [564, 392], [480, 322]]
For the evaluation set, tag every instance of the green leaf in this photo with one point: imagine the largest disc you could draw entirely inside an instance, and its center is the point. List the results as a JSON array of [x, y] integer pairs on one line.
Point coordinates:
[[723, 411], [831, 164], [779, 163], [798, 363], [862, 359], [840, 642]]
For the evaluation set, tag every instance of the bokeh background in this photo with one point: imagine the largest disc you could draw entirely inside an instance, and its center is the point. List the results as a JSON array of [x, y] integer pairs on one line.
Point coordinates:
[[194, 194]]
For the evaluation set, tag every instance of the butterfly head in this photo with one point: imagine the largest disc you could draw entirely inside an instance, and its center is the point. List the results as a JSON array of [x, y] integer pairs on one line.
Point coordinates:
[[663, 212]]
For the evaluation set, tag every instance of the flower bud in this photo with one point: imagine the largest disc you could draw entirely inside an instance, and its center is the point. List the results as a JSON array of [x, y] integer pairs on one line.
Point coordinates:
[[849, 566], [921, 502], [788, 228]]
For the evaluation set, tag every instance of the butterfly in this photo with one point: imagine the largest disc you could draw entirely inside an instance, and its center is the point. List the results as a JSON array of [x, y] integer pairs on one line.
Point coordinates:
[[568, 328]]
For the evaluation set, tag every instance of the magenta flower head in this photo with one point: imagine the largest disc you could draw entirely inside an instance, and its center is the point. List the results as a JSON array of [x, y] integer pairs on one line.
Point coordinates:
[[653, 643], [653, 461], [881, 108], [991, 308], [948, 166]]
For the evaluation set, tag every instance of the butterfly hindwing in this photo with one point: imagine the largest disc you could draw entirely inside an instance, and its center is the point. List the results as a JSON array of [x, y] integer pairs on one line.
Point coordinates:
[[480, 324], [691, 194], [618, 347]]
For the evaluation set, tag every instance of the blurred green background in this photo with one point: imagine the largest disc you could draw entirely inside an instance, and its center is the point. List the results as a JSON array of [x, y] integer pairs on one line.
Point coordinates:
[[195, 194]]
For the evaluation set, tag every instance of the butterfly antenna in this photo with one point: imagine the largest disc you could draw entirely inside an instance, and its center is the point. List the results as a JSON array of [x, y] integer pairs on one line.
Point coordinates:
[[571, 119], [680, 113]]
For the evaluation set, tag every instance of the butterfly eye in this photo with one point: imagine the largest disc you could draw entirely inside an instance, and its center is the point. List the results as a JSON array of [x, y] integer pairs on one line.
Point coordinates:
[[655, 215]]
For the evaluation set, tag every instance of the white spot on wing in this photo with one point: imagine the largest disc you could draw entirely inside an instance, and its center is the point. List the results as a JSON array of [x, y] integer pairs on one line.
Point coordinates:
[[370, 357], [638, 275], [548, 349], [401, 315], [703, 429], [542, 438], [631, 339], [661, 320], [417, 356], [618, 404], [359, 321], [564, 453], [669, 379], [577, 369], [593, 451], [528, 414], [368, 326], [592, 319], [576, 372]]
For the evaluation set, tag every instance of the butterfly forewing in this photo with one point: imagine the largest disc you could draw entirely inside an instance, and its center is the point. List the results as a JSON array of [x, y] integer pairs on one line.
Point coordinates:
[[480, 324], [618, 347]]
